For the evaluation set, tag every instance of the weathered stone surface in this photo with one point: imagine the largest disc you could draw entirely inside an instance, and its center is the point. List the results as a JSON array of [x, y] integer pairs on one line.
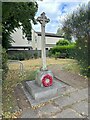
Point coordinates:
[[71, 106], [43, 20], [41, 92], [64, 101], [55, 89], [72, 98], [38, 95], [68, 113], [69, 89], [80, 94], [48, 110], [29, 113], [81, 108]]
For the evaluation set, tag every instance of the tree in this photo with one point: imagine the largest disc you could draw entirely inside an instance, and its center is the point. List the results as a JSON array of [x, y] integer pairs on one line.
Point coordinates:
[[77, 24], [62, 42], [14, 15], [60, 31], [66, 35]]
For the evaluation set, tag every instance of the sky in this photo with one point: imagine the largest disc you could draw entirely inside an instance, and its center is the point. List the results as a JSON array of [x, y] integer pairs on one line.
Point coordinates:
[[56, 11]]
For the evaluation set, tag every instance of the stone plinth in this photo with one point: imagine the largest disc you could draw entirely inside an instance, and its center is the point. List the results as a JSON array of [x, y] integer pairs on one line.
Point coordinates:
[[39, 95], [41, 92]]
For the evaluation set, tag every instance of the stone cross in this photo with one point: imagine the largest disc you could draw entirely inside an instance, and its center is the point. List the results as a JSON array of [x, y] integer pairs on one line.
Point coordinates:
[[43, 20]]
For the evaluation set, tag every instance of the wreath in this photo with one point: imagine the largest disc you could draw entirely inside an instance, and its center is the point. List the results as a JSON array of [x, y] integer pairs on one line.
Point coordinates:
[[47, 80]]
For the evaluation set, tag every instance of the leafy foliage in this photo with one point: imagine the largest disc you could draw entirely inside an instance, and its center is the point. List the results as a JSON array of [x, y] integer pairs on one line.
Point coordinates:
[[66, 35], [14, 15], [22, 55], [63, 42], [57, 55], [64, 51], [78, 25], [4, 63]]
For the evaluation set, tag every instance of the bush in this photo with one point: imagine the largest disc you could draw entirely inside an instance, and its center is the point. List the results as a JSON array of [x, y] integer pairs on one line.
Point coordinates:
[[57, 55], [62, 42], [20, 56], [4, 64], [35, 55], [82, 55], [65, 51], [17, 56]]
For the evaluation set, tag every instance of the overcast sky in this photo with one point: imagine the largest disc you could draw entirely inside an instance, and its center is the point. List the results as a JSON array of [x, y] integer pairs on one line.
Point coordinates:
[[56, 11]]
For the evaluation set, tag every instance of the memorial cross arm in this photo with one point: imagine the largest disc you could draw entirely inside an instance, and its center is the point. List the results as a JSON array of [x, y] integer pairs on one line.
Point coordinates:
[[43, 20]]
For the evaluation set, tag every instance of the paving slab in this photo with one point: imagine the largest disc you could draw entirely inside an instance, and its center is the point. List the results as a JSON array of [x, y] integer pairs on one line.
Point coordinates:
[[67, 106], [81, 108], [64, 101], [79, 94], [70, 89], [68, 113], [72, 98], [48, 110], [29, 113]]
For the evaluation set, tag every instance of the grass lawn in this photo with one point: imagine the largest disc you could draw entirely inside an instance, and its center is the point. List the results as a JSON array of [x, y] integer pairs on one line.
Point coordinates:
[[30, 67]]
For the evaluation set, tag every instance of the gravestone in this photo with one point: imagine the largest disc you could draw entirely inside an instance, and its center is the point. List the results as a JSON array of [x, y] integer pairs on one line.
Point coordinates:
[[44, 87]]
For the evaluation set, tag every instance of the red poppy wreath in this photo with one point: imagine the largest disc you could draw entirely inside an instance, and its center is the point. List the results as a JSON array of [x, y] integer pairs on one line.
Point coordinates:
[[47, 80]]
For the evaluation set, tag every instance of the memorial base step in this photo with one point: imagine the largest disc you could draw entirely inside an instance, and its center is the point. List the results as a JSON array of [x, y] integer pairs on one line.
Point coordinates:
[[38, 95]]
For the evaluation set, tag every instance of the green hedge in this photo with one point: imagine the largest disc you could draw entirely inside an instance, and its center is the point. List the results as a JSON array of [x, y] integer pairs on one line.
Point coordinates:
[[68, 50], [22, 56]]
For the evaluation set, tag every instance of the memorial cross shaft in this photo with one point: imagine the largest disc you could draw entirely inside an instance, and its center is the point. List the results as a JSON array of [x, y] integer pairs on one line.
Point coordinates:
[[43, 20]]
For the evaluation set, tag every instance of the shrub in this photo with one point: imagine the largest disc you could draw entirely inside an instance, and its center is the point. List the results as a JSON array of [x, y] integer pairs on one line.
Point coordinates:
[[4, 64], [17, 56], [57, 55], [65, 51], [82, 55], [28, 55], [20, 56], [35, 54], [50, 53], [62, 42]]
